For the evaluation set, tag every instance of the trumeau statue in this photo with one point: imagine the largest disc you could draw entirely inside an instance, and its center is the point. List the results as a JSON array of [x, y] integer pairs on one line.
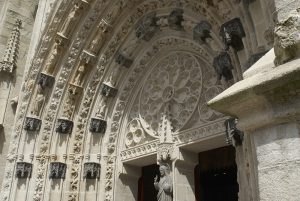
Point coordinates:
[[164, 185], [38, 102], [53, 58]]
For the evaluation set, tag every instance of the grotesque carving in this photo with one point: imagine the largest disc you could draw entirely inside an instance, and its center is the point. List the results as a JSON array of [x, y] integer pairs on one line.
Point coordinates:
[[107, 90], [98, 125], [45, 80], [64, 126], [23, 170], [54, 56], [223, 66], [233, 135], [11, 53], [175, 19], [91, 171], [232, 33], [147, 27], [32, 124], [122, 60], [57, 170], [164, 184], [202, 31], [38, 101]]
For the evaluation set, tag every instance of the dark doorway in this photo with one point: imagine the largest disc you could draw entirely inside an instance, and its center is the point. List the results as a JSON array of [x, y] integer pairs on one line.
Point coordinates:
[[216, 175], [147, 191]]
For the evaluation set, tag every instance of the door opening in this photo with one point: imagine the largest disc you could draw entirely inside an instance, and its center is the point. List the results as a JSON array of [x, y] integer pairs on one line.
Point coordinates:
[[146, 190]]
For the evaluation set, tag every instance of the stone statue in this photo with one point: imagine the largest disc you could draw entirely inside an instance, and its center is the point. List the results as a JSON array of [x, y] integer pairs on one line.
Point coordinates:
[[53, 58], [38, 102], [164, 185], [114, 76], [99, 38], [102, 108], [78, 78], [69, 105], [71, 20]]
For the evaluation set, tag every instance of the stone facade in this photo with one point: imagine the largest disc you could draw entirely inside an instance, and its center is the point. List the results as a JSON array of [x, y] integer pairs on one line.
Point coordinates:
[[92, 91]]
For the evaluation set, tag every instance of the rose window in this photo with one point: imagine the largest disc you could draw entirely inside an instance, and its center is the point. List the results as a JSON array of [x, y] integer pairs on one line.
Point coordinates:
[[176, 82]]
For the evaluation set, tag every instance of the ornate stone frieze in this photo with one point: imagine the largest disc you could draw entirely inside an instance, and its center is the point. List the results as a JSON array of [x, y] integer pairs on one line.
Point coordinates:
[[140, 151], [23, 170], [254, 58], [233, 135], [91, 171], [32, 124], [64, 126], [202, 31], [107, 90], [98, 125], [223, 66], [122, 60], [147, 27], [175, 19], [57, 170], [232, 33], [9, 61], [46, 80]]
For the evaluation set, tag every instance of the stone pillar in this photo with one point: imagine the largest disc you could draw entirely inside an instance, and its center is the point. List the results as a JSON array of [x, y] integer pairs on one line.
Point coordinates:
[[183, 174], [267, 105]]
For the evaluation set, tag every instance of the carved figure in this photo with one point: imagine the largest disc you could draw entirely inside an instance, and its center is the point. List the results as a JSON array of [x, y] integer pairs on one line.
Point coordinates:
[[102, 108], [164, 185], [99, 37], [69, 104], [71, 20], [80, 74], [113, 78], [53, 58], [38, 102]]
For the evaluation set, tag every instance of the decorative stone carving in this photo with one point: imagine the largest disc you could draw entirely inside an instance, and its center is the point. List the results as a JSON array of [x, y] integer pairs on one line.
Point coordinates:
[[98, 125], [254, 58], [223, 66], [232, 33], [233, 135], [91, 171], [32, 124], [122, 60], [135, 134], [287, 38], [72, 19], [202, 31], [38, 102], [107, 90], [99, 37], [64, 126], [165, 184], [147, 27], [165, 151], [23, 170], [45, 80], [79, 75], [101, 113], [9, 61], [175, 19], [70, 101], [57, 170]]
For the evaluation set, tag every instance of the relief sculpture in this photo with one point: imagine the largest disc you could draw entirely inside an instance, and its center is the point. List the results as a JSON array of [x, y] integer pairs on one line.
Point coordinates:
[[38, 102]]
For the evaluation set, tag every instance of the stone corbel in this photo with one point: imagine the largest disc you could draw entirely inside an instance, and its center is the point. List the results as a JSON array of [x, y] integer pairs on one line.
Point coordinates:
[[122, 60], [223, 66], [57, 170], [23, 170], [32, 124], [64, 126], [165, 151], [46, 80], [91, 170], [147, 27], [98, 125], [232, 33], [107, 90]]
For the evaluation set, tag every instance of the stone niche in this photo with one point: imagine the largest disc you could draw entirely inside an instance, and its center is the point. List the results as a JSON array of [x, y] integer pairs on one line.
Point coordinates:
[[98, 125], [57, 170], [23, 170], [91, 170]]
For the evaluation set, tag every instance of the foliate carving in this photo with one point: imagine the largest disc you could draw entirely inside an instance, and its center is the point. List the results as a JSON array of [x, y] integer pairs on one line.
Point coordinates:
[[32, 124], [64, 126], [122, 60], [202, 31], [232, 33], [23, 170], [147, 27], [254, 58], [233, 135], [107, 90], [91, 171], [57, 170], [98, 125], [9, 61], [46, 80], [175, 19], [223, 66], [165, 151]]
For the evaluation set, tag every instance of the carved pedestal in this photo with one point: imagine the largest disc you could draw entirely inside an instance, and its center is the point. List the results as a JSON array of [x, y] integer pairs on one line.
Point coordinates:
[[232, 33], [32, 124], [107, 90], [46, 80], [57, 170], [91, 171], [64, 126], [23, 170], [98, 125]]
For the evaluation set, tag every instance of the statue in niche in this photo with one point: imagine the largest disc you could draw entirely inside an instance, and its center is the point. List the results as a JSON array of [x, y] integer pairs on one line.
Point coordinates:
[[69, 105], [38, 102], [99, 37], [102, 108], [71, 20], [78, 78], [112, 80], [165, 184], [53, 58]]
